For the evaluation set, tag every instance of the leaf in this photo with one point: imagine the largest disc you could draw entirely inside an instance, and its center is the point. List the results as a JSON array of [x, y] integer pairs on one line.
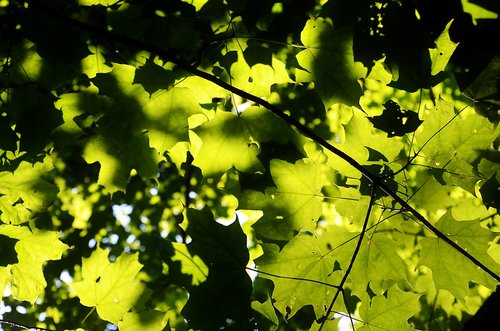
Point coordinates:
[[25, 192], [266, 309], [329, 62], [377, 261], [95, 63], [462, 138], [167, 117], [112, 287], [233, 140], [451, 270], [396, 121], [303, 269], [190, 265], [390, 311], [441, 54], [34, 248], [8, 138], [147, 320], [96, 2], [118, 157], [489, 192], [484, 90], [225, 294], [295, 204]]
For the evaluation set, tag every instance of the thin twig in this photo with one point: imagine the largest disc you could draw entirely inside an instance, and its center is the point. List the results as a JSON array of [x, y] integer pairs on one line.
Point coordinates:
[[354, 256]]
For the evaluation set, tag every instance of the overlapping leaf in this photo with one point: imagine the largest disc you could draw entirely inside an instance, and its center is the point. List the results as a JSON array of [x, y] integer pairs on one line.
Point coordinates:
[[450, 269], [111, 287], [295, 204], [34, 248], [329, 62], [24, 192], [233, 140], [305, 270], [390, 311]]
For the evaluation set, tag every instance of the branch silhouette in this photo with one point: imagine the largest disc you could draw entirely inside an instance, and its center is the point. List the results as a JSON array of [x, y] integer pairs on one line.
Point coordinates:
[[167, 55]]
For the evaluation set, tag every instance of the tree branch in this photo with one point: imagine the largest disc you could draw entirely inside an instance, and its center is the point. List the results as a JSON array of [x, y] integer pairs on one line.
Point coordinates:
[[169, 56], [354, 255]]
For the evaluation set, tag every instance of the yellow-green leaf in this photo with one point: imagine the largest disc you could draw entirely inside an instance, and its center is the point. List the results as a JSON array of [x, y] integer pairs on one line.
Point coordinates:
[[112, 287]]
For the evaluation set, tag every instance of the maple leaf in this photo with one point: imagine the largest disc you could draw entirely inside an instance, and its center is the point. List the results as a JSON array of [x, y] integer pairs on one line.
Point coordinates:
[[233, 140], [443, 51], [25, 192], [450, 269], [112, 287], [376, 261], [34, 247], [329, 62], [390, 311], [306, 269], [295, 203]]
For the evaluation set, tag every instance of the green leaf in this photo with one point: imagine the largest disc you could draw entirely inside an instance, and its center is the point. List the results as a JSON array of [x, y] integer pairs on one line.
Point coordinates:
[[190, 265], [25, 192], [167, 117], [119, 156], [451, 270], [377, 261], [147, 320], [390, 311], [304, 268], [8, 138], [329, 62], [95, 63], [266, 309], [233, 140], [443, 51], [34, 248], [462, 138], [112, 287], [484, 90], [489, 192], [96, 2], [295, 204]]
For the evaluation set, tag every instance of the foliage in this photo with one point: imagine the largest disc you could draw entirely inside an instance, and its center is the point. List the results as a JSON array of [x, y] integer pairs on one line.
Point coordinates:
[[241, 165]]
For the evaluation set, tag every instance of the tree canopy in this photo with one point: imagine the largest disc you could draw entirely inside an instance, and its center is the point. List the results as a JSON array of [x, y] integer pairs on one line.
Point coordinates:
[[248, 164]]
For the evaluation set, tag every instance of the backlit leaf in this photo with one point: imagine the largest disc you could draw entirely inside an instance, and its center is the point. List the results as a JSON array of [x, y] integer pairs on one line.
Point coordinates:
[[329, 62], [390, 311], [443, 51], [295, 204], [25, 192], [112, 287], [450, 269], [34, 248]]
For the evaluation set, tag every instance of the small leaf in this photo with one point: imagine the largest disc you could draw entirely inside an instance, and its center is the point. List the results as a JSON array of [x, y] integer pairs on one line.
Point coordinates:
[[443, 51], [150, 320], [304, 267], [190, 265], [376, 261]]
